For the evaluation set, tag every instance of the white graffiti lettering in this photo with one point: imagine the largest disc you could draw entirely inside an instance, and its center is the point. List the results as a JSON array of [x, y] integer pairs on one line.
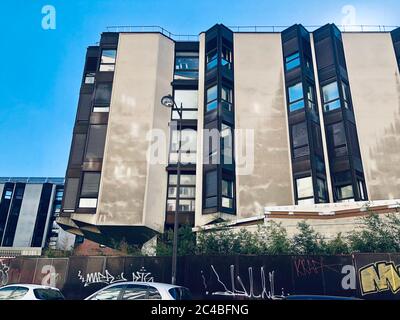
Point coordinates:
[[98, 277], [142, 276], [242, 290]]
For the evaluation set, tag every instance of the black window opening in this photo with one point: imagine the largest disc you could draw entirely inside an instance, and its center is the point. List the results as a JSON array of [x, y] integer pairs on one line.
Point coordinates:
[[71, 194], [212, 98], [42, 215], [186, 66], [211, 189], [188, 99], [227, 191], [226, 144], [343, 186], [300, 140], [89, 190], [96, 142], [108, 58], [77, 149], [13, 216], [187, 192], [336, 137], [102, 97]]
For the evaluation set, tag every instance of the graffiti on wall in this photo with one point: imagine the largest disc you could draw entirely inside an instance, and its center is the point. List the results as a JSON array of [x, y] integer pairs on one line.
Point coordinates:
[[379, 277], [3, 273], [107, 278], [236, 287]]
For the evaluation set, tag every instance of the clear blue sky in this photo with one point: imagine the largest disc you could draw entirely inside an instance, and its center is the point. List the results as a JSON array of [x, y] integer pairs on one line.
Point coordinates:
[[41, 70]]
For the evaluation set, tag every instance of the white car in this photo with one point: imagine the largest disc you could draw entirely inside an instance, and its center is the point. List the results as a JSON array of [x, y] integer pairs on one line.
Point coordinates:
[[141, 291], [29, 292]]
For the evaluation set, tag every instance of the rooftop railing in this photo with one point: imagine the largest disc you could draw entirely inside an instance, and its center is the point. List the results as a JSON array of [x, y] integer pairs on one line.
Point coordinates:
[[193, 37], [34, 180]]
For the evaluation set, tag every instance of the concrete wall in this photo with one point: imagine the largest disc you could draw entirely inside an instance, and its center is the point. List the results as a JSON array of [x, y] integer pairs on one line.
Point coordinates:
[[143, 73], [375, 86], [27, 215], [260, 106]]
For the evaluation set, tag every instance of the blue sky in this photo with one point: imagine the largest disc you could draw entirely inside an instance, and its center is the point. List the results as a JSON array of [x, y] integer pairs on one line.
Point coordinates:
[[41, 69]]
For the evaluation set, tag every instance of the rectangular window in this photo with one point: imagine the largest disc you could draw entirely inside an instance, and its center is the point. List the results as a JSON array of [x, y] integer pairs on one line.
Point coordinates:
[[188, 145], [90, 184], [226, 59], [97, 139], [108, 57], [8, 194], [296, 97], [189, 101], [103, 95], [336, 137], [292, 61], [346, 95], [212, 61], [187, 192], [212, 96], [186, 66], [188, 98], [226, 144], [227, 193], [330, 94], [304, 188], [211, 184], [300, 140], [90, 78], [226, 98], [345, 192], [311, 99], [322, 192]]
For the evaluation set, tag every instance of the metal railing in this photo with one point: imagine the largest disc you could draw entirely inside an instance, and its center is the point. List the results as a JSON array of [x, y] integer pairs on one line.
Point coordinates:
[[178, 37], [30, 180], [343, 28], [192, 37]]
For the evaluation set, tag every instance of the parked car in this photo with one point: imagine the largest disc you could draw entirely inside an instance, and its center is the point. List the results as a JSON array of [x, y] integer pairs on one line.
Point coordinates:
[[141, 291], [317, 297], [29, 292]]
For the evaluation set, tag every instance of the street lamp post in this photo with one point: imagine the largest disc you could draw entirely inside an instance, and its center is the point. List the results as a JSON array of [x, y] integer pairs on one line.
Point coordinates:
[[169, 102]]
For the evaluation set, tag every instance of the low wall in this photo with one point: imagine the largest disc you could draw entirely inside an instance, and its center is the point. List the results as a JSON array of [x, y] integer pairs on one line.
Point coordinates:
[[367, 276]]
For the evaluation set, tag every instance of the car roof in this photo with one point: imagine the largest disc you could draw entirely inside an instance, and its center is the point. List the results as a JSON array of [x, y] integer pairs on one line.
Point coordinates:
[[29, 286], [159, 285]]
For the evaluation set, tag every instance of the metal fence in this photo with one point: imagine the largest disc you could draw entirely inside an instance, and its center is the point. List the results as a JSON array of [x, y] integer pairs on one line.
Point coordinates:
[[367, 276]]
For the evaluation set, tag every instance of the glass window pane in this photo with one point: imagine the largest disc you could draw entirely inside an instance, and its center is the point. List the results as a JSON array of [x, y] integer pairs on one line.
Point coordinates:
[[212, 93], [6, 292], [212, 64], [226, 144], [107, 67], [321, 189], [296, 92], [186, 205], [299, 135], [345, 192], [305, 201], [109, 294], [186, 115], [90, 185], [187, 63], [187, 192], [135, 292], [97, 138], [292, 61], [89, 78], [296, 106], [227, 202], [226, 94], [186, 75], [212, 105], [332, 105], [304, 187], [330, 92], [153, 294], [188, 98], [103, 93], [19, 293], [227, 188], [171, 205], [87, 203], [108, 56]]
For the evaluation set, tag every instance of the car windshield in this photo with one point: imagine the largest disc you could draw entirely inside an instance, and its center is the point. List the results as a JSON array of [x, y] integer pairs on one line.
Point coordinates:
[[48, 294], [180, 293]]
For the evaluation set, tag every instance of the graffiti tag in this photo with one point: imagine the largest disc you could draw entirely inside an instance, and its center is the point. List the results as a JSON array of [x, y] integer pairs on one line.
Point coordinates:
[[107, 278], [380, 276], [238, 289]]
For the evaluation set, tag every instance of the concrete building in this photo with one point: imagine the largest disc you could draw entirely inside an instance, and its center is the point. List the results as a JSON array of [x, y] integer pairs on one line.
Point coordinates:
[[28, 209], [305, 118]]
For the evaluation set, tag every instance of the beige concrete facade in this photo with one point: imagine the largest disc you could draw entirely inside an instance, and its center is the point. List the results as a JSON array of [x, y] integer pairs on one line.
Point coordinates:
[[375, 87], [143, 74], [260, 106]]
